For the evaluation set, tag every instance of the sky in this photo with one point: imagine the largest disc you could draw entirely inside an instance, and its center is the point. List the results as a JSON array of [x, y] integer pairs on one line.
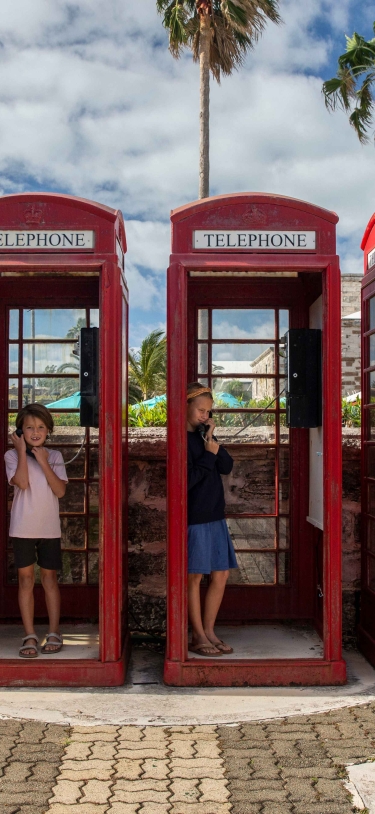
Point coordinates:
[[93, 104]]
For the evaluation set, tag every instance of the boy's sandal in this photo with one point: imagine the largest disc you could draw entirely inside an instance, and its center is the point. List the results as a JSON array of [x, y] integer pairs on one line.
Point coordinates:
[[223, 647], [57, 645], [208, 650], [33, 647]]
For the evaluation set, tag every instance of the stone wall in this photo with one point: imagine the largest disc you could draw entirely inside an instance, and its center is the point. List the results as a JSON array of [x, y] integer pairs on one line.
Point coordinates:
[[351, 293], [351, 356], [147, 524]]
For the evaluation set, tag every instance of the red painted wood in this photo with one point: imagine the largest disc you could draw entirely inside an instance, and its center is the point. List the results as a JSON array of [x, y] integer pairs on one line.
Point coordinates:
[[332, 461], [257, 211], [257, 673], [176, 463], [60, 212]]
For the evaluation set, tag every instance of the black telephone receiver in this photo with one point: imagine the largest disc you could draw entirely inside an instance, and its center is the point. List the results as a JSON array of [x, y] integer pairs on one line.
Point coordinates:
[[203, 428], [19, 432]]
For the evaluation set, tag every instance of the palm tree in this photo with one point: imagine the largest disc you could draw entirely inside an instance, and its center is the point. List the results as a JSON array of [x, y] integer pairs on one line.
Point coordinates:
[[219, 33], [147, 367], [347, 91]]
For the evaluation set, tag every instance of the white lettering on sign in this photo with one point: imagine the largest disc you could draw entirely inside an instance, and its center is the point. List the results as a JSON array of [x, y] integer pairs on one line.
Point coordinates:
[[257, 239], [45, 241], [371, 259]]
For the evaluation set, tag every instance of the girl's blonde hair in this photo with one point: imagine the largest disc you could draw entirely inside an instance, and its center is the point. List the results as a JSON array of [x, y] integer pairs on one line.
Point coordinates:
[[195, 389]]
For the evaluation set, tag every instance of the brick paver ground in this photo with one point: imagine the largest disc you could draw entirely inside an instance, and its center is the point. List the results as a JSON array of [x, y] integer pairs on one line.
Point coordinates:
[[291, 765]]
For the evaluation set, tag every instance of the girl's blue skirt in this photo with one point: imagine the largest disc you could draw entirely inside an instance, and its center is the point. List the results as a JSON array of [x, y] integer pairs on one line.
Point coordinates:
[[210, 548]]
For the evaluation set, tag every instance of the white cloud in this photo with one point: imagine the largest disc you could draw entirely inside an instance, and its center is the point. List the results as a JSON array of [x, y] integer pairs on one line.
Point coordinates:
[[92, 103]]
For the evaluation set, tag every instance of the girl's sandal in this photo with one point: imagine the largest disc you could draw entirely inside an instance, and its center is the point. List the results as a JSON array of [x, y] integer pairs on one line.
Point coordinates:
[[208, 650], [223, 647], [22, 651], [57, 645]]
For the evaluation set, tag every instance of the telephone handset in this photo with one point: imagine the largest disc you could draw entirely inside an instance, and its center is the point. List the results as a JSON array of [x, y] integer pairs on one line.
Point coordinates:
[[19, 432], [203, 428]]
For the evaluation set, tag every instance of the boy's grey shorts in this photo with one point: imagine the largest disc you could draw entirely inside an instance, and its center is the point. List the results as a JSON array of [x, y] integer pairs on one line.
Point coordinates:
[[45, 551]]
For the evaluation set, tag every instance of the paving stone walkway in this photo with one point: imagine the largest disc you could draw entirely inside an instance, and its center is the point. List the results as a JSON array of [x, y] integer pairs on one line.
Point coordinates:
[[279, 766]]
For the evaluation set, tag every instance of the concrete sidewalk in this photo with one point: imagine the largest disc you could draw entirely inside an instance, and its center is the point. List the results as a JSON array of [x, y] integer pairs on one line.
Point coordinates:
[[294, 765]]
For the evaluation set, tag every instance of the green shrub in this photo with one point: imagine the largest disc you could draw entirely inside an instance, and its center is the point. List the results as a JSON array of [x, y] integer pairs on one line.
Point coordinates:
[[351, 413], [145, 416]]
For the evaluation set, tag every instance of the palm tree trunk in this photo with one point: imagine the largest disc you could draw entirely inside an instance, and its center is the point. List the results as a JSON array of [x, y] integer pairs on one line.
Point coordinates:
[[204, 141]]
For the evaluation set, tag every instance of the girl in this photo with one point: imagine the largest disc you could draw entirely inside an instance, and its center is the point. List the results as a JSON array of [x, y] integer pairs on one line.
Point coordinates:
[[210, 548], [39, 479]]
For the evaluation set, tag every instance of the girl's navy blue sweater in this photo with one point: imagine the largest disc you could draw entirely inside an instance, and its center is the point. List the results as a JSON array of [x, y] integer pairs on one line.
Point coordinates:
[[205, 488]]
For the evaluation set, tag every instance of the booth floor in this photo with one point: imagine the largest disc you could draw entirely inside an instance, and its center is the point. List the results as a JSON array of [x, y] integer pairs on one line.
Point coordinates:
[[80, 641], [145, 700], [269, 642]]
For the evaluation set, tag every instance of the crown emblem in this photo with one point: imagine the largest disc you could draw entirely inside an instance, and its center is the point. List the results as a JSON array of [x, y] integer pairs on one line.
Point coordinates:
[[33, 215]]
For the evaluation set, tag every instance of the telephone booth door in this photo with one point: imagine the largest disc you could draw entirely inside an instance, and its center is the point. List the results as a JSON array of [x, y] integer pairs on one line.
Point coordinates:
[[233, 299], [366, 629], [52, 286]]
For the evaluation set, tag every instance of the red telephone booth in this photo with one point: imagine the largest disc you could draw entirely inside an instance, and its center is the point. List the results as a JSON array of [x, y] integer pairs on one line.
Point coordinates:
[[62, 270], [366, 629], [248, 275]]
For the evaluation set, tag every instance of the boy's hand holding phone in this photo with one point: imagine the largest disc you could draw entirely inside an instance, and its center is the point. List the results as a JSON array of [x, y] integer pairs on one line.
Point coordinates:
[[18, 441]]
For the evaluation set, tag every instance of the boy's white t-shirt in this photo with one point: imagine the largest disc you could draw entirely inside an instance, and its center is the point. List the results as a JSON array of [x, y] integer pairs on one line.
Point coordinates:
[[35, 510]]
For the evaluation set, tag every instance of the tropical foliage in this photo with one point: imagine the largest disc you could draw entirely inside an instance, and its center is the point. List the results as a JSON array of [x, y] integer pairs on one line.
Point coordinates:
[[147, 368], [145, 416], [352, 87], [219, 33]]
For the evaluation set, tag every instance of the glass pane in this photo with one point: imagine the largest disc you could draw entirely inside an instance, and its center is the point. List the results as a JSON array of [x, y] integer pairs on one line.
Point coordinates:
[[371, 499], [254, 569], [249, 392], [73, 532], [13, 394], [371, 534], [75, 469], [282, 362], [202, 358], [371, 350], [93, 497], [283, 322], [284, 431], [370, 453], [13, 358], [93, 463], [250, 488], [252, 532], [74, 568], [202, 323], [53, 323], [245, 428], [247, 323], [284, 463], [283, 532], [50, 391], [284, 567], [14, 323], [49, 358], [371, 314], [94, 318], [284, 496], [73, 500], [371, 387], [203, 381], [371, 424], [93, 541], [244, 358], [93, 564]]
